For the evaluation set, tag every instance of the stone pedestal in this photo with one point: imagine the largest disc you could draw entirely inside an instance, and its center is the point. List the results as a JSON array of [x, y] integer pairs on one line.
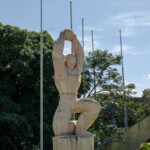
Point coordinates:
[[73, 142]]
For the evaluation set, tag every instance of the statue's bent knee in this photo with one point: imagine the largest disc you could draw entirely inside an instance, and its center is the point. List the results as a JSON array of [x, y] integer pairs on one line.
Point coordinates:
[[96, 107]]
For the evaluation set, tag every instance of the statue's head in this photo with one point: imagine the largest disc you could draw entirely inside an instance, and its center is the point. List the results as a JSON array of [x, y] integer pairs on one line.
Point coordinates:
[[70, 61]]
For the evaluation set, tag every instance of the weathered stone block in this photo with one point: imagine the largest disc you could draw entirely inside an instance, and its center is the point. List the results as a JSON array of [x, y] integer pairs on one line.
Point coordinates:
[[73, 142]]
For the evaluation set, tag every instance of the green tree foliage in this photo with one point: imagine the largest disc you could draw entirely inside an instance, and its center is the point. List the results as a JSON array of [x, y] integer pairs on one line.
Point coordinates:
[[145, 146], [105, 75], [107, 81], [110, 94], [110, 122], [85, 83], [146, 93], [15, 131], [20, 88]]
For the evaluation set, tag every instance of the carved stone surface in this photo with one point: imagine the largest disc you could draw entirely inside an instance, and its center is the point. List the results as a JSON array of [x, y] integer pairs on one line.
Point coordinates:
[[73, 143], [68, 71]]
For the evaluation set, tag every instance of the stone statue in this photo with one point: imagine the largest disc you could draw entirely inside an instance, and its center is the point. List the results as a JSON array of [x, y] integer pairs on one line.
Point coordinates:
[[68, 71]]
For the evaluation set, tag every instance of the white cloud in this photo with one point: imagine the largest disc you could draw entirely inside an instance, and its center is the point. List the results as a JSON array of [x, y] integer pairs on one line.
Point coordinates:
[[95, 29], [127, 82], [88, 43], [127, 49], [132, 19], [138, 90], [89, 28], [128, 32], [147, 76]]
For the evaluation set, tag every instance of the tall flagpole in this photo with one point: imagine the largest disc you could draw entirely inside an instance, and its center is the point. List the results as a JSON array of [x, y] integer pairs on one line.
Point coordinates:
[[123, 86], [83, 47], [92, 41], [83, 34], [125, 103], [71, 14], [71, 21], [94, 67], [41, 78]]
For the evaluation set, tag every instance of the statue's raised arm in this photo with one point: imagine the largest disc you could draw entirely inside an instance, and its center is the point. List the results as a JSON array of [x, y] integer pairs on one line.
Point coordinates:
[[57, 55], [77, 51], [79, 54]]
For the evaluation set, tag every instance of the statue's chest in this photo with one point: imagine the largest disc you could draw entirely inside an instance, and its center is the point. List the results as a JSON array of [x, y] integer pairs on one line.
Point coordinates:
[[68, 84]]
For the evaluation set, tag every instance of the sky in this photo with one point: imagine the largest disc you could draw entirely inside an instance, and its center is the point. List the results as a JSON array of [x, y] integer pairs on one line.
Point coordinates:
[[104, 17]]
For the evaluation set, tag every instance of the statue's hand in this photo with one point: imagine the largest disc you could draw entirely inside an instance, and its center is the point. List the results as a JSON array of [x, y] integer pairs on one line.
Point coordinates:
[[68, 34]]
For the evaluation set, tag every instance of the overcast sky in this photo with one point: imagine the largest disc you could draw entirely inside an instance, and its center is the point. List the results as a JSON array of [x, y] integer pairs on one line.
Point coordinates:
[[105, 17]]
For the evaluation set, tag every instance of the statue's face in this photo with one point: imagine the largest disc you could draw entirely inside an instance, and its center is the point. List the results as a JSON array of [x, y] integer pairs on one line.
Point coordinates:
[[70, 61]]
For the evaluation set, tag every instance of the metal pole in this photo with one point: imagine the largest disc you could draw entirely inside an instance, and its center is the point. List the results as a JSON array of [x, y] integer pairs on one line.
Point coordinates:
[[71, 22], [123, 86], [83, 33], [83, 47], [94, 67], [74, 116], [125, 103], [71, 14], [113, 116], [92, 41], [41, 80]]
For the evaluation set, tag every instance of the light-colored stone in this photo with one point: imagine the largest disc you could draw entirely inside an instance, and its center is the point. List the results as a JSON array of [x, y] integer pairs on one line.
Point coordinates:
[[68, 71], [73, 143]]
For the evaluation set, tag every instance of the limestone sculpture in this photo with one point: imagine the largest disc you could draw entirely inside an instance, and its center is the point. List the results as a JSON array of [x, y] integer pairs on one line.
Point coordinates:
[[67, 77]]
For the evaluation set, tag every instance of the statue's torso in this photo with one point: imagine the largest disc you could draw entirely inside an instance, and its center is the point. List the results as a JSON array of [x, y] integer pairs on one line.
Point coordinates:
[[67, 84]]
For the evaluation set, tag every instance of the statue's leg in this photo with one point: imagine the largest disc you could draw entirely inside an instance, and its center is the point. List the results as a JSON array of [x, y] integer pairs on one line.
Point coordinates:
[[89, 110], [72, 126], [61, 120]]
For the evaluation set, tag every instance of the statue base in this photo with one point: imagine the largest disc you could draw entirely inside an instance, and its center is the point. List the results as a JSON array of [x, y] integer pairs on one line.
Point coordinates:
[[73, 142]]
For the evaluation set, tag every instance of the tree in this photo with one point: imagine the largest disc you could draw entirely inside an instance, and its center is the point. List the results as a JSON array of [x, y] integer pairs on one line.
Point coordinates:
[[19, 88], [146, 93], [101, 67], [110, 94], [105, 75]]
